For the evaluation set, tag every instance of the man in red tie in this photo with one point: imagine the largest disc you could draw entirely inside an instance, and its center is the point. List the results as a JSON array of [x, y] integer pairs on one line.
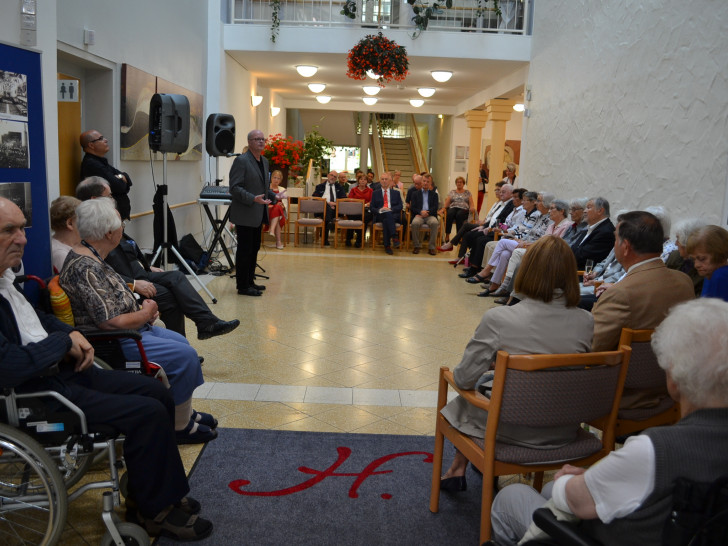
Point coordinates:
[[386, 206]]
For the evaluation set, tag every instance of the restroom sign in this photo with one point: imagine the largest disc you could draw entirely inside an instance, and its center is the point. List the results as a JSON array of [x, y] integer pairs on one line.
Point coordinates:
[[67, 90]]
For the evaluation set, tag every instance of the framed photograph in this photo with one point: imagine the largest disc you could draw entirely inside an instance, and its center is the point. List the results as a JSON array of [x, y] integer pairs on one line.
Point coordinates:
[[19, 193], [14, 151], [13, 95], [461, 152], [461, 166]]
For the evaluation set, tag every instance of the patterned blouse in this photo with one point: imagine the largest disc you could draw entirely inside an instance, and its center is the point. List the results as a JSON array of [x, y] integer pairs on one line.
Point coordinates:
[[96, 291], [459, 200]]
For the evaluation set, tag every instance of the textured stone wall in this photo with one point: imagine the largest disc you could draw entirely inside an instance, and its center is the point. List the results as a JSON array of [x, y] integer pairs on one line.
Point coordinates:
[[630, 101]]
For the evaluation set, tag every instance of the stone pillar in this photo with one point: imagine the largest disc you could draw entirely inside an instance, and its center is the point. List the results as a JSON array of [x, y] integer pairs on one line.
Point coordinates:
[[476, 121], [364, 141], [499, 112]]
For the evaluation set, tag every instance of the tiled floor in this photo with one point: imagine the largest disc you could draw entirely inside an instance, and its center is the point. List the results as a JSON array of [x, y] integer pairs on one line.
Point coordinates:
[[342, 340]]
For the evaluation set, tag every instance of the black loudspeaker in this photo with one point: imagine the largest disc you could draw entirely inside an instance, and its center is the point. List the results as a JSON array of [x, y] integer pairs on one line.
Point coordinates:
[[169, 123], [220, 134]]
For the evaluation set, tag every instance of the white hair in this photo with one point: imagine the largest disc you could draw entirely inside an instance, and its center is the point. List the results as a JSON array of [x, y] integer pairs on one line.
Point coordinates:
[[661, 214], [685, 228], [691, 344], [96, 217]]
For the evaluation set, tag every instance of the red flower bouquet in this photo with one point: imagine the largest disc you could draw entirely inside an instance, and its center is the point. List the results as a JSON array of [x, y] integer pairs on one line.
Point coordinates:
[[380, 55], [284, 152]]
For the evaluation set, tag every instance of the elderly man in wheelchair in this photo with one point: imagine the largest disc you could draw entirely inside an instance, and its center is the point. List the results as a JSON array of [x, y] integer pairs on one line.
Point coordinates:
[[138, 407]]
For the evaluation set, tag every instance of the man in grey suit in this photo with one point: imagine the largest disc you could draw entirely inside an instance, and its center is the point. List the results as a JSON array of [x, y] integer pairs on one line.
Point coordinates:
[[251, 195]]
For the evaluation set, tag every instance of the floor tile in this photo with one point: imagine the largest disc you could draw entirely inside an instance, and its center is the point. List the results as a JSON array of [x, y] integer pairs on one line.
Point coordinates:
[[233, 391], [328, 395], [376, 397]]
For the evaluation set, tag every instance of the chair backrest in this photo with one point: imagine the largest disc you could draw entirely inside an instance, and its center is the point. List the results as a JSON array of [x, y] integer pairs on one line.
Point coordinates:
[[559, 389], [644, 372], [312, 205], [354, 207]]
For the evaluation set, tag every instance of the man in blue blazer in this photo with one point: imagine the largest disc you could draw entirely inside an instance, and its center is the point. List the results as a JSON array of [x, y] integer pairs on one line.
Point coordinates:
[[251, 195], [386, 206]]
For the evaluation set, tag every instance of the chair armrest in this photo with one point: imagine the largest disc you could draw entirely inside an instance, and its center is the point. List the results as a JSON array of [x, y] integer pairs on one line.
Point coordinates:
[[472, 397], [563, 533], [95, 333]]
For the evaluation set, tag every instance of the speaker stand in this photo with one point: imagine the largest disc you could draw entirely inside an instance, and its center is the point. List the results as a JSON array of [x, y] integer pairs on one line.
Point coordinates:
[[166, 245]]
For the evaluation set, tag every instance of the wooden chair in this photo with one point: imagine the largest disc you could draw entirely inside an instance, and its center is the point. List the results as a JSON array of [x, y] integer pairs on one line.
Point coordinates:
[[528, 391], [349, 207], [644, 374], [309, 206], [424, 231], [378, 229]]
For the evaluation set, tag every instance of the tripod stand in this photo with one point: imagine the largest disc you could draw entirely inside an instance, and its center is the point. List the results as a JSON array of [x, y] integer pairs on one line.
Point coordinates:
[[165, 244]]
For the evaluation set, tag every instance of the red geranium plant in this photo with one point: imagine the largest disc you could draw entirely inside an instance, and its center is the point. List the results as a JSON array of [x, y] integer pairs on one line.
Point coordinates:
[[284, 152], [380, 55]]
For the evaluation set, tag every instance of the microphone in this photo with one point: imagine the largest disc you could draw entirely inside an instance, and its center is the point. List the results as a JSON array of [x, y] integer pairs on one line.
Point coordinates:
[[232, 155]]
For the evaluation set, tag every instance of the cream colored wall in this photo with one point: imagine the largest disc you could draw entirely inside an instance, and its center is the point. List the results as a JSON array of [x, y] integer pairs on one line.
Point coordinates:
[[630, 100]]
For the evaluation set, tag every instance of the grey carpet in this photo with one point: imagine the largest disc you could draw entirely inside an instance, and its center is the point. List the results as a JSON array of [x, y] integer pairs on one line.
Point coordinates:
[[390, 506]]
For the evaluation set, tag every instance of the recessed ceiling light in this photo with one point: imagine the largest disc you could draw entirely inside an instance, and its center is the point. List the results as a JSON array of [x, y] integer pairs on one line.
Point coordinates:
[[441, 75], [373, 75], [316, 87], [426, 91], [417, 102], [519, 107], [323, 99], [306, 70], [371, 89]]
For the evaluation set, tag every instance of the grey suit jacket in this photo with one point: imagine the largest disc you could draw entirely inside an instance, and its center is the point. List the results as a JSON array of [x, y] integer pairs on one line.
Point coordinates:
[[245, 183]]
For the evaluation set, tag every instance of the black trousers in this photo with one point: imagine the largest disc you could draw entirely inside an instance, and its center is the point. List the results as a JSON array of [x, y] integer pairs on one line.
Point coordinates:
[[142, 409], [389, 227], [476, 241], [177, 299], [246, 255], [458, 216]]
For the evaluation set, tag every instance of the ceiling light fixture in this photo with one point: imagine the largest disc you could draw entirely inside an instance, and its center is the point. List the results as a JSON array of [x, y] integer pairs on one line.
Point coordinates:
[[316, 87], [370, 101], [371, 90], [519, 107], [426, 91], [441, 75], [256, 100], [323, 99], [306, 70], [417, 102], [274, 111], [373, 75]]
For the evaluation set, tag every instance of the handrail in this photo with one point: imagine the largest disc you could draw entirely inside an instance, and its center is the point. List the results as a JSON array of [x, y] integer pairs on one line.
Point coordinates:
[[417, 145], [377, 160]]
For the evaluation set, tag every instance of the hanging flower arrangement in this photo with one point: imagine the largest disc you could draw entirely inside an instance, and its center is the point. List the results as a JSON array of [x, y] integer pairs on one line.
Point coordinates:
[[379, 55], [284, 152]]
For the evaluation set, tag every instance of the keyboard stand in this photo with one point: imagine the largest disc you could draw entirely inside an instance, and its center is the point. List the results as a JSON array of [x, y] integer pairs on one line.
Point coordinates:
[[218, 226]]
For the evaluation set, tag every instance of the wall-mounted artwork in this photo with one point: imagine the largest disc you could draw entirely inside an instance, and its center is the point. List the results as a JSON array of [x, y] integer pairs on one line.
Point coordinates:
[[14, 152], [13, 95], [137, 89], [19, 193], [511, 154], [194, 149], [461, 165]]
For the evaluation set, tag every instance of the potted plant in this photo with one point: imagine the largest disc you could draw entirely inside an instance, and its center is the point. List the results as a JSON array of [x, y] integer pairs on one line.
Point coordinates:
[[380, 56], [284, 154], [316, 147]]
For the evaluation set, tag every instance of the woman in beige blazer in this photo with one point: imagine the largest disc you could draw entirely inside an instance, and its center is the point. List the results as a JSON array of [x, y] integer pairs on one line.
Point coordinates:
[[547, 321]]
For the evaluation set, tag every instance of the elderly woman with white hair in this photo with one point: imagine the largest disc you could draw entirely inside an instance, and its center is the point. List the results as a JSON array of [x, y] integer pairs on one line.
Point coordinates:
[[101, 299], [679, 259], [627, 497]]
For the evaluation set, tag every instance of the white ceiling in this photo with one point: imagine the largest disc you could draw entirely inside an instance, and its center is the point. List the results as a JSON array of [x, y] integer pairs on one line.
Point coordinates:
[[276, 71]]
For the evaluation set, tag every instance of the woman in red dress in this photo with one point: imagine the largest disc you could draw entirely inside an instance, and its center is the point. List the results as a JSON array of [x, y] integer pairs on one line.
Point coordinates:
[[360, 191], [276, 211]]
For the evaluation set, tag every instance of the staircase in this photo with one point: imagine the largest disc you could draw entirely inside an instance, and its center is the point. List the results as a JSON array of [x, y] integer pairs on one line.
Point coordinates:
[[397, 154]]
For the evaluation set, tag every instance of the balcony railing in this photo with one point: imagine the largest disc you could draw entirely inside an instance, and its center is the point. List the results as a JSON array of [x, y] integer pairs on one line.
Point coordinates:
[[464, 16]]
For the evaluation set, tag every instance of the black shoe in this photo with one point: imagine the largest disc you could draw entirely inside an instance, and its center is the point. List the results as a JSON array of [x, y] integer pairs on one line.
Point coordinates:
[[388, 250], [326, 243], [348, 242], [249, 292], [357, 244], [259, 287], [217, 328], [468, 272], [484, 294], [202, 435], [395, 242], [454, 484]]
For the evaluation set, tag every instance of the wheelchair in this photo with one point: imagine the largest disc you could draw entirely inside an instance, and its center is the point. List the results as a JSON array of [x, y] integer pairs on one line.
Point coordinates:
[[45, 449]]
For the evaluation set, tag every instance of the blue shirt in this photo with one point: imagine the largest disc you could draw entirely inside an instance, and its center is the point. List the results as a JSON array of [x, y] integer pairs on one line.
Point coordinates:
[[717, 285]]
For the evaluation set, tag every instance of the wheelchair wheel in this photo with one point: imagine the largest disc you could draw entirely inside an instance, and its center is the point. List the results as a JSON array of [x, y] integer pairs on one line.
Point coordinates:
[[131, 534], [33, 499]]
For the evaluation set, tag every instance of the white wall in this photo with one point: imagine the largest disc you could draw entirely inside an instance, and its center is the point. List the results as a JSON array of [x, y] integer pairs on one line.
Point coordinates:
[[630, 101]]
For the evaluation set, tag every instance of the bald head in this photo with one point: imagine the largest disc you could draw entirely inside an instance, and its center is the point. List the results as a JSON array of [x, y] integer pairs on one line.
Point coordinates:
[[12, 234]]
